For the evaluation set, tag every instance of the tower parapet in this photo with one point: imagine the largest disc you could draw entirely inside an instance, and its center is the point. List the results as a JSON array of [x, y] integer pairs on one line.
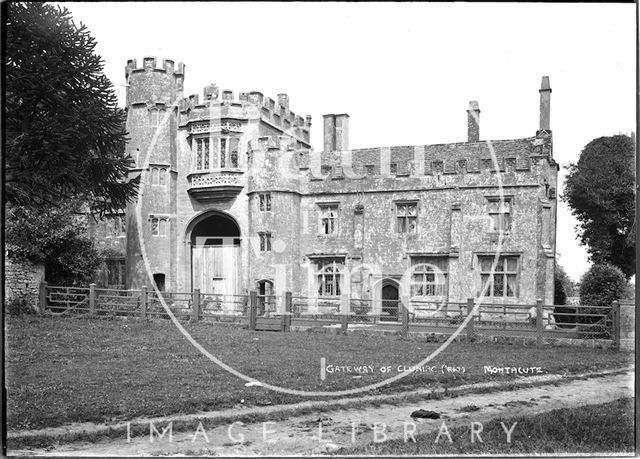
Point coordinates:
[[155, 84]]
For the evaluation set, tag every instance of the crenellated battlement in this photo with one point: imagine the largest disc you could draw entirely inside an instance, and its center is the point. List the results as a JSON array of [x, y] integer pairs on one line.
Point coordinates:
[[150, 64], [248, 104], [505, 156]]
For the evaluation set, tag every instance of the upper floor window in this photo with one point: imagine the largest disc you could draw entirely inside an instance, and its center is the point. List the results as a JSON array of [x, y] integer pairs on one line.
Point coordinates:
[[159, 176], [429, 276], [265, 202], [116, 226], [159, 226], [503, 282], [265, 242], [328, 219], [214, 153], [407, 217], [328, 276], [500, 214]]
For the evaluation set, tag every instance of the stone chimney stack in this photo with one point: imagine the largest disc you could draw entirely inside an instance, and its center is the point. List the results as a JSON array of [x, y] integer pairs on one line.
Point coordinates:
[[336, 132], [473, 121], [545, 104]]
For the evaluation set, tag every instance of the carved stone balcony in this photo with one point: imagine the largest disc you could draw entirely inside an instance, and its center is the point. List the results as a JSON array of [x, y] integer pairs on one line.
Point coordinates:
[[211, 186]]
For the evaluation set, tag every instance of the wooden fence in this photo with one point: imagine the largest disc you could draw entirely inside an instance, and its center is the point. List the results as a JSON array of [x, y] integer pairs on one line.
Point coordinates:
[[287, 312]]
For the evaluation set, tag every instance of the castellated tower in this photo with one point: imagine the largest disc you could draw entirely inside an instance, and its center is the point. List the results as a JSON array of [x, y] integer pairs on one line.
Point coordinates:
[[153, 93]]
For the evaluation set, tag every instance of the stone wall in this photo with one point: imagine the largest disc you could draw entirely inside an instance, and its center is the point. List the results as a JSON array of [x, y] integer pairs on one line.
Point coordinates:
[[22, 280]]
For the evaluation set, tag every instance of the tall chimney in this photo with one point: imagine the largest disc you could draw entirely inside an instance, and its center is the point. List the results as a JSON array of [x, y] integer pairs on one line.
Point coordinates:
[[473, 121], [545, 104], [342, 132], [329, 132], [336, 132]]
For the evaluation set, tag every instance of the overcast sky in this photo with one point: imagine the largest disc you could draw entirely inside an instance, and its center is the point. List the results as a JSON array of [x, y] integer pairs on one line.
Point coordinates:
[[405, 72]]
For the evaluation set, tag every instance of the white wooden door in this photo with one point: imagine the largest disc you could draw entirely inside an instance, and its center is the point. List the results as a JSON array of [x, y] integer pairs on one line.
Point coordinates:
[[216, 269]]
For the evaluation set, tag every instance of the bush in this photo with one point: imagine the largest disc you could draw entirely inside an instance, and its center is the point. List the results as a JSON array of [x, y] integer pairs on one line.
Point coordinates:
[[601, 285]]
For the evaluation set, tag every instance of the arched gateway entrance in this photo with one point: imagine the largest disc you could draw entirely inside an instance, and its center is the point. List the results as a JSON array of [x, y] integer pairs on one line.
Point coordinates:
[[215, 255]]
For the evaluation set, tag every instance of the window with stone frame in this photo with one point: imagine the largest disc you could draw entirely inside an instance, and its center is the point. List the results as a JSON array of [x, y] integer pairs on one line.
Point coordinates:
[[116, 274], [202, 154], [430, 276], [265, 241], [328, 219], [116, 225], [500, 214], [159, 226], [265, 202], [407, 217], [503, 281], [328, 276]]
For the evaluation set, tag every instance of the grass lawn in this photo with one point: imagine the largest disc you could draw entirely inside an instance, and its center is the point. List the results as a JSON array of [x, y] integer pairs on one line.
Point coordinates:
[[606, 428], [62, 370]]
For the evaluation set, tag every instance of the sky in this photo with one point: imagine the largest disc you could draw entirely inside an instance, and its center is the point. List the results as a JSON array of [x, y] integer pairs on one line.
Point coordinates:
[[404, 72]]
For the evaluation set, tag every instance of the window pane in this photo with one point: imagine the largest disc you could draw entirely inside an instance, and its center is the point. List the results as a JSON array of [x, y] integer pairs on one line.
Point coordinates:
[[498, 285], [413, 225], [512, 264], [154, 226], [495, 222], [484, 279], [268, 202], [261, 197], [511, 285], [163, 176], [485, 264], [500, 265], [494, 206], [205, 152], [223, 152], [412, 209]]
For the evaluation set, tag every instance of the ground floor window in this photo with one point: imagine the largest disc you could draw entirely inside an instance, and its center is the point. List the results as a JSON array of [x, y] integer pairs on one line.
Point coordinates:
[[503, 281], [328, 276], [430, 276]]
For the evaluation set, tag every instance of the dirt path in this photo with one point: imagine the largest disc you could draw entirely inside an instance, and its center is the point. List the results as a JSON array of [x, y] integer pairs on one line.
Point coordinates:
[[325, 432]]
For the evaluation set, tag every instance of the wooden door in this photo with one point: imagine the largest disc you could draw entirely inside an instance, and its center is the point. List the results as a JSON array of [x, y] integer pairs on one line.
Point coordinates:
[[216, 269]]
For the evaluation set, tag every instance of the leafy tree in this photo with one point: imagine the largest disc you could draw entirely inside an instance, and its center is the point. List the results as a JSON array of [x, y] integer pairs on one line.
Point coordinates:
[[600, 190], [57, 238], [601, 285], [563, 286], [65, 135]]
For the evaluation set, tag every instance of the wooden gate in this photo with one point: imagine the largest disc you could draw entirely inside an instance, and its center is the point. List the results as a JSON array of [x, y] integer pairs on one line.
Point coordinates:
[[216, 269]]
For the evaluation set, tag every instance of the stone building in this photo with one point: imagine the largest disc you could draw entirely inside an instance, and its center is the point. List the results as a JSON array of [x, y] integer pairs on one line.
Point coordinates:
[[233, 199]]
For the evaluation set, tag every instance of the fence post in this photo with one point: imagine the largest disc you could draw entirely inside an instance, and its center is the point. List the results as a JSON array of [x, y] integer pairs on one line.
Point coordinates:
[[616, 325], [470, 326], [286, 317], [143, 302], [344, 311], [539, 322], [404, 309], [195, 309], [253, 309], [42, 296], [92, 299]]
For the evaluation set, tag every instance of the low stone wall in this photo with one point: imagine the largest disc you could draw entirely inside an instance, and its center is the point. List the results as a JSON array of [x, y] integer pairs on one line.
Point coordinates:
[[627, 326], [22, 281]]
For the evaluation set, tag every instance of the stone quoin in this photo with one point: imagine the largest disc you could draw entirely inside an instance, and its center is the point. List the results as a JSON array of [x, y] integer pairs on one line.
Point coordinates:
[[234, 199]]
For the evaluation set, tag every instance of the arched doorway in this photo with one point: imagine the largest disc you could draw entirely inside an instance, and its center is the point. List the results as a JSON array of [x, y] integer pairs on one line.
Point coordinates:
[[390, 302], [215, 255]]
